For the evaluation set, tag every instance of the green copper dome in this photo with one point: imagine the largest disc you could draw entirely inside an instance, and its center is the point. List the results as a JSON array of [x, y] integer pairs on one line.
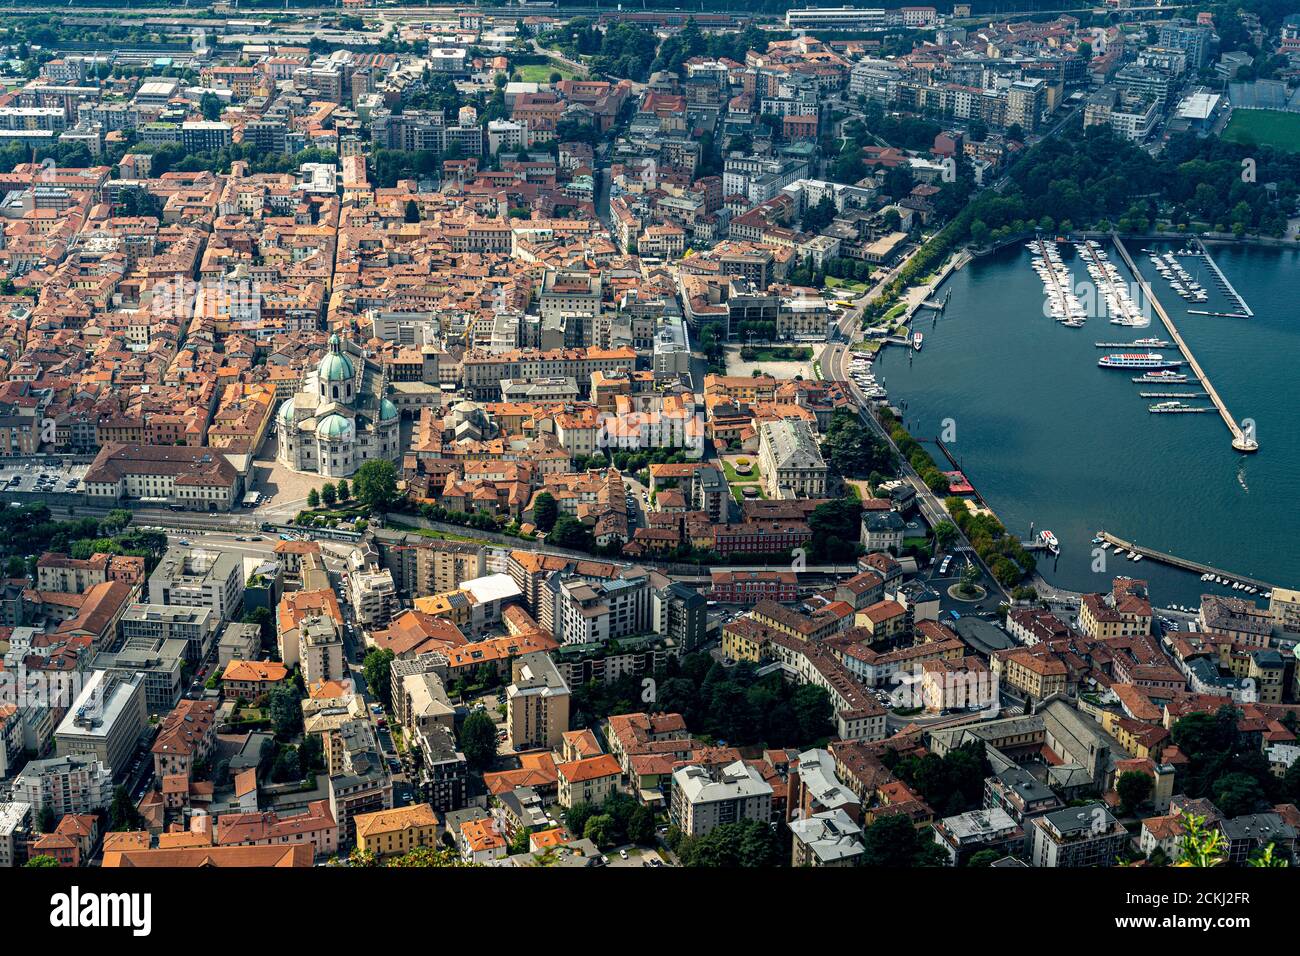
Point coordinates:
[[286, 412], [387, 410], [335, 366], [334, 426]]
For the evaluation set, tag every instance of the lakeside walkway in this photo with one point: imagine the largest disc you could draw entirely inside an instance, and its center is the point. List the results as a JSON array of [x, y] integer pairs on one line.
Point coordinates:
[[1241, 441]]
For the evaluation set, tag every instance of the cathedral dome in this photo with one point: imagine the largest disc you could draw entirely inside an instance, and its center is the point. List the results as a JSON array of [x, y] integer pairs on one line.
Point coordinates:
[[285, 414], [335, 366], [334, 426], [387, 410]]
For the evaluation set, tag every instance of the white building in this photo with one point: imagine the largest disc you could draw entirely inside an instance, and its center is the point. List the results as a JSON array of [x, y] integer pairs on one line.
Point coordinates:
[[704, 798], [339, 418], [105, 721], [71, 784]]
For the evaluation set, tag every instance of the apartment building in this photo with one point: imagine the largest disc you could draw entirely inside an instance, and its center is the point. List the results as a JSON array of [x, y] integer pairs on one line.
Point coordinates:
[[194, 626], [374, 596], [707, 797], [589, 780], [195, 577], [74, 783], [105, 721], [390, 833], [537, 703], [1077, 837]]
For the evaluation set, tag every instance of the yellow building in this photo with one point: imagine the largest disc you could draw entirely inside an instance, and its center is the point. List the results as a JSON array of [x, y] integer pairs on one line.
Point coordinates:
[[1039, 676], [387, 833], [590, 780]]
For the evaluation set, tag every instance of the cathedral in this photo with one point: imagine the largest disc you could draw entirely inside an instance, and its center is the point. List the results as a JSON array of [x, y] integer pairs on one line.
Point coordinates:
[[339, 418]]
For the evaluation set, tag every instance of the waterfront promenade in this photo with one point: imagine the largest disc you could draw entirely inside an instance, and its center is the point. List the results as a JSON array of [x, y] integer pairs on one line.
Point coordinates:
[[1241, 440]]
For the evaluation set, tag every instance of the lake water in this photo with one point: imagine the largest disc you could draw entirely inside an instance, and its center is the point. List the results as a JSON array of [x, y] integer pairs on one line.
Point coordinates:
[[1046, 436]]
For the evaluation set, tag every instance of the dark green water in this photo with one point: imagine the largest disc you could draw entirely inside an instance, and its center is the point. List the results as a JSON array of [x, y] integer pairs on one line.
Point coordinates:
[[1047, 437]]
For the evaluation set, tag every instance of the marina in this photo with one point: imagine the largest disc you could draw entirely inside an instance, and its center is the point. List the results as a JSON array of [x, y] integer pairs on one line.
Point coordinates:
[[1222, 281], [1208, 572], [1241, 441], [1058, 284], [1032, 452], [1179, 279], [1111, 286]]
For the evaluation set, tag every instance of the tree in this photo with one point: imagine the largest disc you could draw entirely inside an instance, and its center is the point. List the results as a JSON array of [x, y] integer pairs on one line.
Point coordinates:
[[286, 712], [122, 814], [210, 107], [569, 532], [545, 511], [599, 829], [262, 617], [329, 494], [576, 817], [945, 533], [895, 842], [377, 668], [641, 826], [375, 484], [1237, 794], [478, 740], [834, 528], [412, 213], [749, 844], [41, 862], [344, 491], [1134, 789], [313, 498], [984, 858], [287, 767]]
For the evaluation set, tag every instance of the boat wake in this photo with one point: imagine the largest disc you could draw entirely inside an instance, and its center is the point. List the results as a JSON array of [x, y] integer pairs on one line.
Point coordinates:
[[1241, 477]]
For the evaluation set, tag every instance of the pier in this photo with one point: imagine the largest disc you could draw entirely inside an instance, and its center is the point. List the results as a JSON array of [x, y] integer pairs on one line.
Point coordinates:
[[1160, 344], [1223, 280], [1173, 395], [1182, 563], [1240, 440]]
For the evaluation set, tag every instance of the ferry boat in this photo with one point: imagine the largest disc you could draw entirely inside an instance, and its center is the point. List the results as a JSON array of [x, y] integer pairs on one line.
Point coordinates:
[[1151, 360], [917, 339], [1164, 376], [1152, 343], [1050, 541]]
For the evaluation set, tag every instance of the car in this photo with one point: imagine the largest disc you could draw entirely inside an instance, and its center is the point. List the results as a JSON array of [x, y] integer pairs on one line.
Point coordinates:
[[185, 542], [622, 854], [240, 537]]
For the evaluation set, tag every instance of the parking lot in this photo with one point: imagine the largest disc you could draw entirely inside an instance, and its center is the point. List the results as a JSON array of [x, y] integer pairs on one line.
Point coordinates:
[[43, 479]]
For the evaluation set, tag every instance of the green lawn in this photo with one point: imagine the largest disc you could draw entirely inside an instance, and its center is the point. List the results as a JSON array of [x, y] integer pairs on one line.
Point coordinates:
[[541, 72], [852, 285], [1265, 127]]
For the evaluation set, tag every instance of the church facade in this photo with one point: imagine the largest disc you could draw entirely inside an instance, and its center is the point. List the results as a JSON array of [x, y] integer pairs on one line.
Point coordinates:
[[339, 418]]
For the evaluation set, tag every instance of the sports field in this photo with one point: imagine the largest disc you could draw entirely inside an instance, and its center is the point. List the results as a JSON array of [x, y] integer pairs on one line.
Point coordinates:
[[1265, 127]]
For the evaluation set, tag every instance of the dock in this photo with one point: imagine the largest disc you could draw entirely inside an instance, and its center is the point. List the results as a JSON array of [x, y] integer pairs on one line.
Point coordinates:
[[1221, 315], [1162, 344], [1223, 280], [1182, 563], [1173, 395], [1241, 441]]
